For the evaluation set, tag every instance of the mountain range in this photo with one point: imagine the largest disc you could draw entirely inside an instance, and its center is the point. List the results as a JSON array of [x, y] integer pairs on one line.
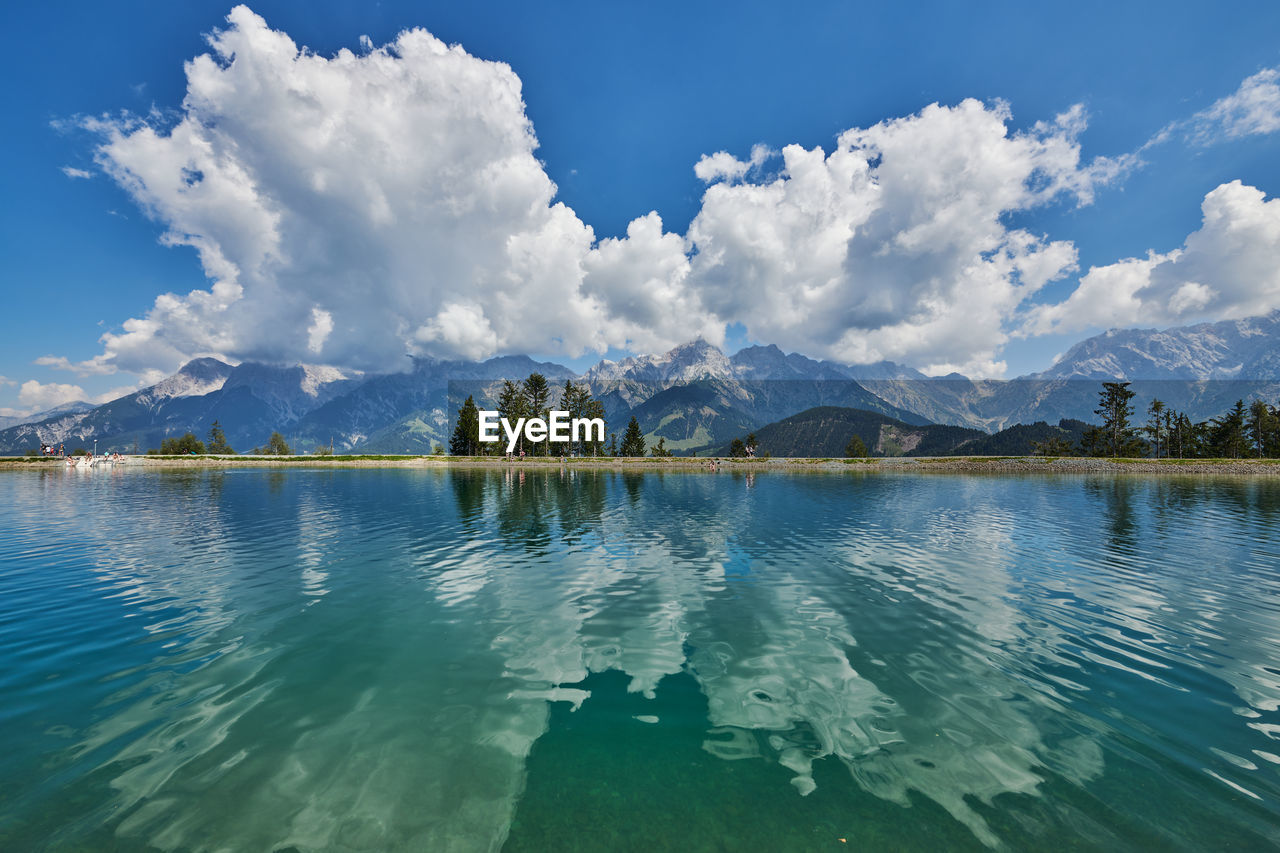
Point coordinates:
[[695, 397], [71, 408]]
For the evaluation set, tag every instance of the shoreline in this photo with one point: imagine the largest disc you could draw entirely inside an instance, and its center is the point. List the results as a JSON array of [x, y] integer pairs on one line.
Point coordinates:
[[896, 465]]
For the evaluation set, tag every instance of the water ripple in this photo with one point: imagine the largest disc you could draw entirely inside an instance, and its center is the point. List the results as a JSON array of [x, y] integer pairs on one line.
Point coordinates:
[[387, 659]]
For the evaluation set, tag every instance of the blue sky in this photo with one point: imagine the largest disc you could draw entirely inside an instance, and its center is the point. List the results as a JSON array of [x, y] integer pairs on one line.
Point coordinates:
[[624, 101]]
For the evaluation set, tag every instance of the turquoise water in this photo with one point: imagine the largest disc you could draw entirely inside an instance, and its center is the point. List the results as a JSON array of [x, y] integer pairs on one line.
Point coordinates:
[[400, 659]]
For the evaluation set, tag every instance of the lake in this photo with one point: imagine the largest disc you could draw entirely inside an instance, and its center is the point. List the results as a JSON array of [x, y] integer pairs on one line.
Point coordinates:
[[406, 659]]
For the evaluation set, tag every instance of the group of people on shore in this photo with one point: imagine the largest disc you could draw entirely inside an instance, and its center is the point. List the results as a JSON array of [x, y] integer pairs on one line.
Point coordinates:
[[61, 451]]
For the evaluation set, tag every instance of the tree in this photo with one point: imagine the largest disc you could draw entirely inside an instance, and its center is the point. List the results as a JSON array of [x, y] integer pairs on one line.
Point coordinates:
[[593, 409], [751, 444], [855, 449], [1183, 435], [660, 449], [1119, 439], [1155, 424], [512, 406], [277, 446], [574, 400], [218, 440], [632, 440], [1053, 446], [613, 443], [1227, 433], [1259, 426], [184, 445], [737, 449], [1271, 440], [1194, 438], [536, 395], [466, 435], [1093, 442]]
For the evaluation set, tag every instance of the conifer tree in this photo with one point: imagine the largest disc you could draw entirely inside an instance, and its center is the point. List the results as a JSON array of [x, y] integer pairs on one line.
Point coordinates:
[[218, 440], [1185, 433], [513, 406], [593, 409], [632, 440], [1115, 409], [1155, 424], [537, 394], [855, 449], [1271, 439], [573, 400], [466, 435], [1227, 433], [660, 449], [1259, 427]]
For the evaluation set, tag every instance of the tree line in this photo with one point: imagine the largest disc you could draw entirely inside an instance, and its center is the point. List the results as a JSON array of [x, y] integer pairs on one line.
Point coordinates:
[[188, 444], [1244, 431]]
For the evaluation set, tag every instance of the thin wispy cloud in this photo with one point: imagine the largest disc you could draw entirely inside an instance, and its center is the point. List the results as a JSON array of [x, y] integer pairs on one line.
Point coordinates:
[[77, 174], [1251, 110], [90, 367]]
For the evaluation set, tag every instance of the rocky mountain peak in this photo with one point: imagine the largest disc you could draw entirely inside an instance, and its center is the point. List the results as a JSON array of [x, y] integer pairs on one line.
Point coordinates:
[[1230, 349], [196, 378], [684, 363]]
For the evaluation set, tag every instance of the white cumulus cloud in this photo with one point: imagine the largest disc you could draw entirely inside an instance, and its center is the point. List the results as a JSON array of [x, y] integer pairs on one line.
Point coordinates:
[[394, 192], [724, 166], [352, 208], [895, 245], [1229, 268], [36, 396]]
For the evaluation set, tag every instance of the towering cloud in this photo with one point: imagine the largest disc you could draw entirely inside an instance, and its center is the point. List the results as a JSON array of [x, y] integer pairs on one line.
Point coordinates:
[[355, 208], [895, 245]]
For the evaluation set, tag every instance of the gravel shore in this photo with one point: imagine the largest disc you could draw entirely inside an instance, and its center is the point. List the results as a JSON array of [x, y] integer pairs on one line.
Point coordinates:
[[897, 465]]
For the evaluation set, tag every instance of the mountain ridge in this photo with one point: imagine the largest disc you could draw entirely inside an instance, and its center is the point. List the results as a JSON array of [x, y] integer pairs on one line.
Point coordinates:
[[1201, 369]]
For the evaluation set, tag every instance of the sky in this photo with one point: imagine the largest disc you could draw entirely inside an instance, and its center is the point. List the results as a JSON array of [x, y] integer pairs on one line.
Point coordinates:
[[968, 187]]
